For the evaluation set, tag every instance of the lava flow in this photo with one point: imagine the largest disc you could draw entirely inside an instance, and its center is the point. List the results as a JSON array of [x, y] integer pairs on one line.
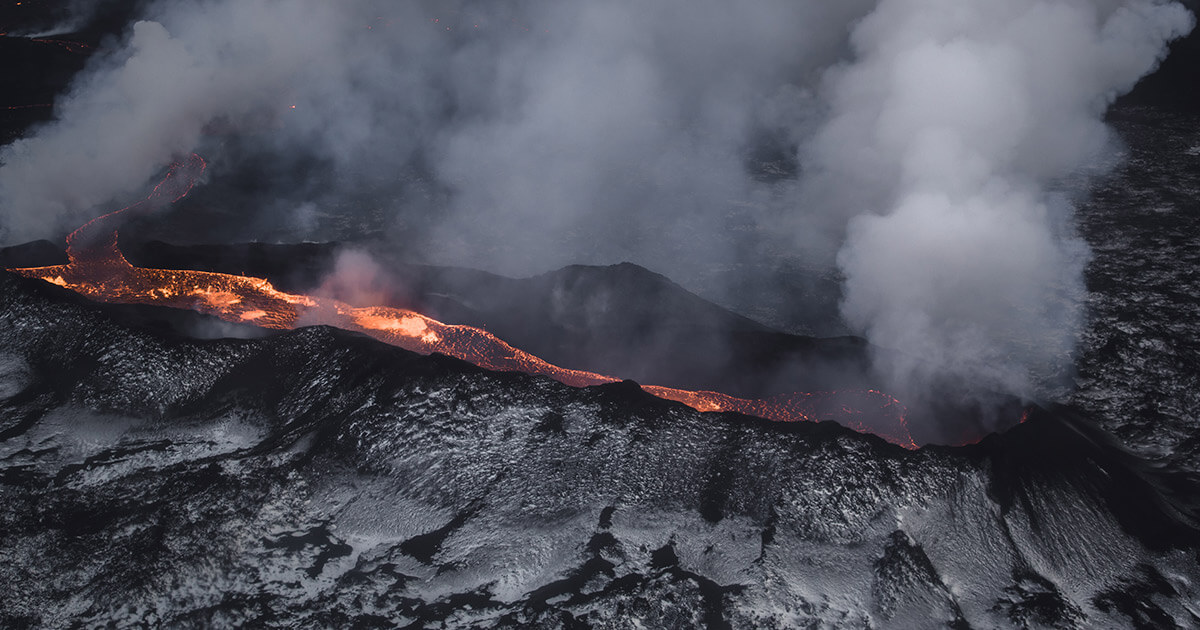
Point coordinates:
[[98, 270]]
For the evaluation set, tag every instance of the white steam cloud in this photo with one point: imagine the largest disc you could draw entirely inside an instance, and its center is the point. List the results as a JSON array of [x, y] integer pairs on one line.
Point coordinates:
[[149, 101], [933, 139], [953, 129], [539, 133]]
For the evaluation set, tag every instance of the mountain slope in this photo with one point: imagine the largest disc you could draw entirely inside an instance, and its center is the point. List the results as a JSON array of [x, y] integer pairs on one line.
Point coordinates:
[[320, 478]]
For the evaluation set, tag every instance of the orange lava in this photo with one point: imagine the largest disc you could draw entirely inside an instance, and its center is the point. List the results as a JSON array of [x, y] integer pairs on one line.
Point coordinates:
[[99, 271]]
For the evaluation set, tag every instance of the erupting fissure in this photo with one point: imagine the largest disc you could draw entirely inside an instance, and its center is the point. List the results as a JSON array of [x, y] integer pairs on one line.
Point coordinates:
[[98, 270]]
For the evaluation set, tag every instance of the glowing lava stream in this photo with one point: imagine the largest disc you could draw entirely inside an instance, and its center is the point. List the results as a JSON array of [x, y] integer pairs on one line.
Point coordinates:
[[98, 270]]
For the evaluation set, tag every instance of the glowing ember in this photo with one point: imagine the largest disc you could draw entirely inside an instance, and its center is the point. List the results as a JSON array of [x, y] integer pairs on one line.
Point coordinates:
[[99, 271], [67, 45], [70, 46]]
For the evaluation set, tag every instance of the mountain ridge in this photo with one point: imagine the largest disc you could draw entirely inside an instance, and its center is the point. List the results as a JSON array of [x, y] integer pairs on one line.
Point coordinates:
[[320, 477]]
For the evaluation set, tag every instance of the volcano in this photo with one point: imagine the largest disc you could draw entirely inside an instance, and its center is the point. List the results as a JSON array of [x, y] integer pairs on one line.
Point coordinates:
[[198, 431], [320, 477], [98, 269]]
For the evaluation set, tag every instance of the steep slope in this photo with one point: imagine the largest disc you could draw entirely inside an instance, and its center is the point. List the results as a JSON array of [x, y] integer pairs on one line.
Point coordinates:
[[320, 478]]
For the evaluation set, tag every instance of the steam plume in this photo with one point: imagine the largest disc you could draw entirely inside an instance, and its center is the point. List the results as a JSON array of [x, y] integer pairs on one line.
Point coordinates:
[[934, 139], [517, 135], [950, 138]]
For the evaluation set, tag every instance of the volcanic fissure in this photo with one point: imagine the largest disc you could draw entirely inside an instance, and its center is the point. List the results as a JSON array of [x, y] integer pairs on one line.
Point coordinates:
[[98, 270]]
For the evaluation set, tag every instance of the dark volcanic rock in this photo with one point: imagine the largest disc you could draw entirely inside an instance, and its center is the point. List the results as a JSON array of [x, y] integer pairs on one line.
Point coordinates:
[[1138, 370], [318, 478], [33, 254]]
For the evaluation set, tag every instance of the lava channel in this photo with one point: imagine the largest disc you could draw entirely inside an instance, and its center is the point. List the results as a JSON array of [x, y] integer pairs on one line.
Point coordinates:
[[97, 269]]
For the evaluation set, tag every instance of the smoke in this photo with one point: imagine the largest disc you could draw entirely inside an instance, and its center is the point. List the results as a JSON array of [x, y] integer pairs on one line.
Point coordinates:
[[623, 132], [921, 147], [138, 106], [517, 136], [358, 280], [950, 140]]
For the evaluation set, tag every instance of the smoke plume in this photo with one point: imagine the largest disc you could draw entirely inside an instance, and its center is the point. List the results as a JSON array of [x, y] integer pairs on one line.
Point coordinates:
[[921, 148], [518, 135], [950, 140]]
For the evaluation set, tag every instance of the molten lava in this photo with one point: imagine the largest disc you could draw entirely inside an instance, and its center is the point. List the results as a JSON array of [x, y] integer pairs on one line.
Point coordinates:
[[98, 270]]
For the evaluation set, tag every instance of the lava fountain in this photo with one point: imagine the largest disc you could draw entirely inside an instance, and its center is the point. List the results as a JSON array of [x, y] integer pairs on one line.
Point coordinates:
[[98, 270]]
